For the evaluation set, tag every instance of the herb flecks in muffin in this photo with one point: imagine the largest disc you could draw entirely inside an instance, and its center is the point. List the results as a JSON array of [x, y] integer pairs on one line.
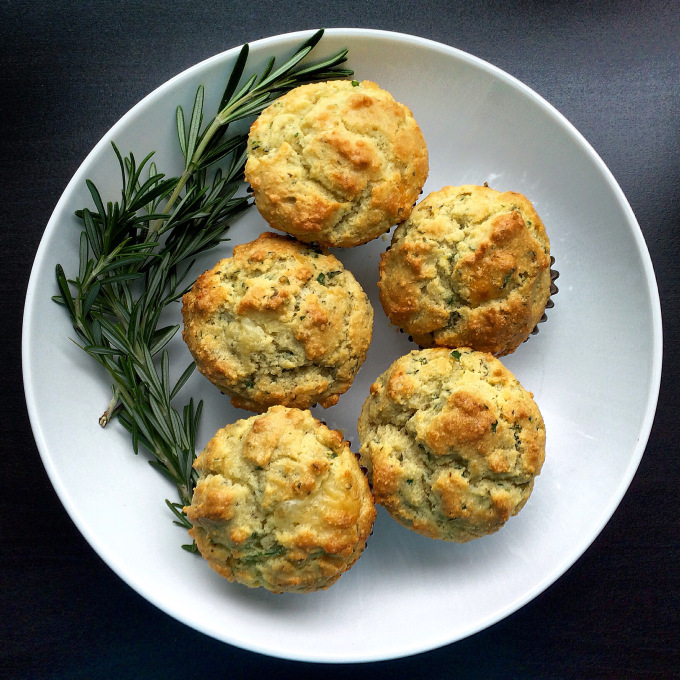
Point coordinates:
[[278, 323], [280, 503], [453, 448], [345, 162], [470, 267]]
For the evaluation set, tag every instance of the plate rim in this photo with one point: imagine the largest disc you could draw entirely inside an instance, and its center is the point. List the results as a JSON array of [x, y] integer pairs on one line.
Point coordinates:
[[559, 569]]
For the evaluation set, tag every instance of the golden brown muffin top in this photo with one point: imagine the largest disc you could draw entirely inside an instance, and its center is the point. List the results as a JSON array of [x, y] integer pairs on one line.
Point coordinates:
[[470, 268], [452, 442], [336, 163], [280, 322], [281, 502]]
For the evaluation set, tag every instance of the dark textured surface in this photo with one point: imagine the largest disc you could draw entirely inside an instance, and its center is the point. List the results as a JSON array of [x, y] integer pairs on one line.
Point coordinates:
[[71, 70]]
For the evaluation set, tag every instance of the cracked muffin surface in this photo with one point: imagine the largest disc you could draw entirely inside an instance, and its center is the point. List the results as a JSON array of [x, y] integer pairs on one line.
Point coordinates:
[[336, 163], [280, 503], [469, 268], [280, 322], [452, 443]]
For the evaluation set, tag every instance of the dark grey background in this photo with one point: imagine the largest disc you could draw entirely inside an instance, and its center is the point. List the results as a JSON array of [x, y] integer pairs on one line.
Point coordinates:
[[71, 70]]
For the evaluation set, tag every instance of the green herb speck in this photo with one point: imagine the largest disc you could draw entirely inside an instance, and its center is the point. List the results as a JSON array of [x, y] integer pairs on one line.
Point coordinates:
[[355, 83], [321, 278], [256, 557], [506, 280], [455, 354]]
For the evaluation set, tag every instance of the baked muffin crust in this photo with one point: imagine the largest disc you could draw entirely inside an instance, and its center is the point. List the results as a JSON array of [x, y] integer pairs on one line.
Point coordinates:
[[280, 322], [452, 443], [470, 268], [281, 502], [336, 163]]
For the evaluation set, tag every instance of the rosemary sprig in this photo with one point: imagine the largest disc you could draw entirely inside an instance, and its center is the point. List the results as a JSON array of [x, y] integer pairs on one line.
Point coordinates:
[[136, 254], [254, 96]]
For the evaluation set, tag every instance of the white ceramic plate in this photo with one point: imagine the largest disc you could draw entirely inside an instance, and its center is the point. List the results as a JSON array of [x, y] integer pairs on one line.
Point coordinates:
[[594, 369]]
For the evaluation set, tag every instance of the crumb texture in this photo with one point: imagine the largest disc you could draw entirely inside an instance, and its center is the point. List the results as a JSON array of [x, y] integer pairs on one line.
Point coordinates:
[[280, 322], [469, 268], [336, 163], [280, 503], [452, 443]]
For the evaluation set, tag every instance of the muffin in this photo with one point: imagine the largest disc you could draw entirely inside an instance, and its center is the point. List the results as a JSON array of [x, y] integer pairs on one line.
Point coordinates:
[[470, 268], [280, 322], [280, 502], [451, 442], [336, 163]]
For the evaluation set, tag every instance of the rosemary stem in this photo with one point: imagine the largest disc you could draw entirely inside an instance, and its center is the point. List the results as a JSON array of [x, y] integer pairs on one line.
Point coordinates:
[[188, 172], [106, 416]]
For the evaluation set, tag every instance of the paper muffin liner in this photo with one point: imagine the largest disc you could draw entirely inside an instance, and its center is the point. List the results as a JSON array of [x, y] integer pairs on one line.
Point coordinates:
[[554, 275]]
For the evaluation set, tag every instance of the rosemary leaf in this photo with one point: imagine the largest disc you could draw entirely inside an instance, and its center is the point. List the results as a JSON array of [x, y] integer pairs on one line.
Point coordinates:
[[181, 132], [235, 76], [161, 338], [182, 380], [195, 125]]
